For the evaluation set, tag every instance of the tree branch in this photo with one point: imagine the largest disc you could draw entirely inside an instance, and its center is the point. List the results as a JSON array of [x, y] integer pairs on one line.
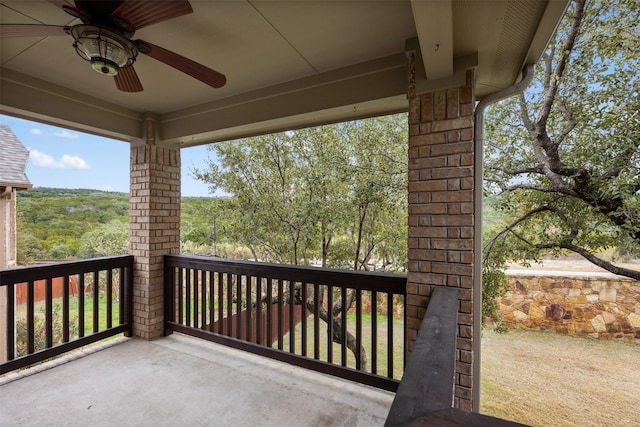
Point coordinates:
[[621, 160], [336, 322], [568, 245], [571, 124], [524, 112], [545, 149], [621, 271], [515, 172], [535, 188], [510, 227], [552, 81]]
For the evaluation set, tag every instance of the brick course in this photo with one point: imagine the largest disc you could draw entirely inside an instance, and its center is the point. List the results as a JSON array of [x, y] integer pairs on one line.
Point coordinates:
[[154, 212], [441, 215]]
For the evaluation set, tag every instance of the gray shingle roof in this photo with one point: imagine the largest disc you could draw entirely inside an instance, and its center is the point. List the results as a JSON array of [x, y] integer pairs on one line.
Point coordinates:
[[13, 160]]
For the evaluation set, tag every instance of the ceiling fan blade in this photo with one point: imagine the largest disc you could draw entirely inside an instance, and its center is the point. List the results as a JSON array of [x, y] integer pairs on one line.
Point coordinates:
[[140, 13], [95, 10], [61, 3], [31, 30], [179, 62], [127, 80]]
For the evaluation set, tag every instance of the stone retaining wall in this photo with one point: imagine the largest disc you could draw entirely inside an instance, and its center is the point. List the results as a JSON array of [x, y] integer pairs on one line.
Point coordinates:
[[598, 305]]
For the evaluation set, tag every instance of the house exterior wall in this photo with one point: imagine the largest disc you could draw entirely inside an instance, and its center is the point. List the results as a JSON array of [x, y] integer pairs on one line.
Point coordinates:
[[154, 231], [441, 215], [7, 255]]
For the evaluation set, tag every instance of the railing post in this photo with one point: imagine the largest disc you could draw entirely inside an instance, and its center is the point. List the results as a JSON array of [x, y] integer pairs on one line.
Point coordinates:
[[128, 300], [169, 297], [11, 348]]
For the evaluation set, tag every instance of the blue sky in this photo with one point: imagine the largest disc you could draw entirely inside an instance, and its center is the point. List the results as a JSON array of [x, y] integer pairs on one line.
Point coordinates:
[[62, 158]]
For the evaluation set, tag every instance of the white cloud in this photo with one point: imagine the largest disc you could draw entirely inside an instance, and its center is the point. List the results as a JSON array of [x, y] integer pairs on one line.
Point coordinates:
[[66, 134], [43, 160], [35, 132], [73, 162]]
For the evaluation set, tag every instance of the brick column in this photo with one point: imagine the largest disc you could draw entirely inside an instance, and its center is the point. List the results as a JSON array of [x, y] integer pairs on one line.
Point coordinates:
[[441, 215], [154, 222]]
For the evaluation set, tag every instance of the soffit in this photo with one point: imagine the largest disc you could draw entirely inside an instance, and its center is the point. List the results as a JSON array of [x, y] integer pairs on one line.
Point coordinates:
[[288, 64]]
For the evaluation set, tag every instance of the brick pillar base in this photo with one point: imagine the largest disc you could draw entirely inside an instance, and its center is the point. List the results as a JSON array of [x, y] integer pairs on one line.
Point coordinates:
[[154, 222], [441, 215]]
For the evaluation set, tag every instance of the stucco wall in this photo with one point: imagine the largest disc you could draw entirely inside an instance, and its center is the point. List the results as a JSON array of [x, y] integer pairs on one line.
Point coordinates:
[[598, 305]]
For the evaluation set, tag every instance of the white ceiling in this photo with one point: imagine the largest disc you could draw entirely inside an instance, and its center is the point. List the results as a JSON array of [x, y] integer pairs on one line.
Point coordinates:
[[288, 64]]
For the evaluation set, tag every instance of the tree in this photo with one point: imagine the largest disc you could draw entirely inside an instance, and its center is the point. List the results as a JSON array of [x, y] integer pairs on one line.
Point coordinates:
[[106, 240], [295, 194], [28, 247], [562, 159], [378, 196]]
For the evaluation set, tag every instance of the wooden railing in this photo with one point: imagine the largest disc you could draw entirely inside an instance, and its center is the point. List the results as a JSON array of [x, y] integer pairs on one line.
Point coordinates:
[[286, 312], [66, 305], [426, 393], [429, 384]]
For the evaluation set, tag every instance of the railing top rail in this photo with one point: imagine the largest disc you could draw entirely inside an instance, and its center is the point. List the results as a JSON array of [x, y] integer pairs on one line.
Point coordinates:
[[428, 382], [357, 279], [64, 268]]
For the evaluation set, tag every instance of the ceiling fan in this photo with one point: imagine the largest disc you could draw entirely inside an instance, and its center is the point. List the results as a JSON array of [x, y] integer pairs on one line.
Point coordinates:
[[105, 38]]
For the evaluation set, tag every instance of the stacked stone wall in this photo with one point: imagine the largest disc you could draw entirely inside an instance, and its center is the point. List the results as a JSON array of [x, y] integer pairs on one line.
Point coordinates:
[[598, 306]]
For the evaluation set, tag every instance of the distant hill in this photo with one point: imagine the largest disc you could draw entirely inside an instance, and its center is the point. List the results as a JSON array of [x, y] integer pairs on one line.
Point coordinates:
[[56, 218]]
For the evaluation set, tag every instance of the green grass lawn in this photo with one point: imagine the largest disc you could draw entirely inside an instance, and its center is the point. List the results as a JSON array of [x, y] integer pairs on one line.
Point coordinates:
[[57, 317], [382, 353]]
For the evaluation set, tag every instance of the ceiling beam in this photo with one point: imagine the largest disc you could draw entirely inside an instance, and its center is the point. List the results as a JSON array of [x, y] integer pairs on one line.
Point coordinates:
[[34, 99], [434, 26], [363, 90]]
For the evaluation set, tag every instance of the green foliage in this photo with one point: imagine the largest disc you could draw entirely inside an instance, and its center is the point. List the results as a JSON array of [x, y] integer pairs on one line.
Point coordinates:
[[494, 285], [295, 194], [62, 223], [204, 225], [60, 251], [562, 161], [55, 219], [106, 240], [40, 330], [29, 248]]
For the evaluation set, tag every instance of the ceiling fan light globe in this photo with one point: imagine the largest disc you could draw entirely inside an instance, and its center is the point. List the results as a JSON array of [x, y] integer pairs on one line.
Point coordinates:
[[104, 67]]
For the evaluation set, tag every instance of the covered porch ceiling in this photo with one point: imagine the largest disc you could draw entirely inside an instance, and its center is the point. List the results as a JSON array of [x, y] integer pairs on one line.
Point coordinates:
[[288, 64]]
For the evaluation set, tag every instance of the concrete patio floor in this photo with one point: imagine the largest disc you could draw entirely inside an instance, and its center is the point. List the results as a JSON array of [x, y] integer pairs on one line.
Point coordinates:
[[179, 380]]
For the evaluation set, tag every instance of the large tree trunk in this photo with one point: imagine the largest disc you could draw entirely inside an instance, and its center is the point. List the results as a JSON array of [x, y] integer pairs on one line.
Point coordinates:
[[336, 321]]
